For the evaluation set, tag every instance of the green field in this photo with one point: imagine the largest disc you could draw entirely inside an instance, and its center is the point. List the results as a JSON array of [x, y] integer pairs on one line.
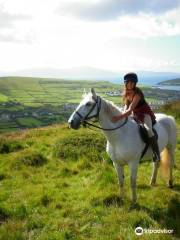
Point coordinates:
[[34, 102], [175, 82], [58, 183], [40, 91]]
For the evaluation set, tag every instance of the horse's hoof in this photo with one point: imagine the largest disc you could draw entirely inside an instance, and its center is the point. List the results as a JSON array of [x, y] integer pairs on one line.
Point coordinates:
[[134, 201], [170, 184], [152, 184], [134, 205]]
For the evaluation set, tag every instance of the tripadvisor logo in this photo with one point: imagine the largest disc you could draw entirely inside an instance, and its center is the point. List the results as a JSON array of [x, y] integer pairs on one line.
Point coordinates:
[[138, 231]]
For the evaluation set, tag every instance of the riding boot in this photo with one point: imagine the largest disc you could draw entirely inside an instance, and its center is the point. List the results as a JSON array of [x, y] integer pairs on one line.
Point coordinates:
[[154, 145]]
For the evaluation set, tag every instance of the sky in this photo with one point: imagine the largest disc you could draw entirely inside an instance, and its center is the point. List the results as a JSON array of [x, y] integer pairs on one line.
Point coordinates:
[[115, 35]]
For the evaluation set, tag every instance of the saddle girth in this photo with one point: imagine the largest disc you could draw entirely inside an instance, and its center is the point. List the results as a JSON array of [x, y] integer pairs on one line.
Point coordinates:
[[144, 136]]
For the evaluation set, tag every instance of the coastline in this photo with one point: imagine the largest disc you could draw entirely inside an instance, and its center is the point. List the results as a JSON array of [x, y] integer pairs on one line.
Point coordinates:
[[167, 87]]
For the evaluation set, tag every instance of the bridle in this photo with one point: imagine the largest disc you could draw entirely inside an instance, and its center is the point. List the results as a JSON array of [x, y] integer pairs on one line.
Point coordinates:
[[88, 117]]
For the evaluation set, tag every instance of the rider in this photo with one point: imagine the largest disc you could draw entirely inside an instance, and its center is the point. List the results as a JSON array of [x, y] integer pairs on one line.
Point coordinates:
[[136, 104]]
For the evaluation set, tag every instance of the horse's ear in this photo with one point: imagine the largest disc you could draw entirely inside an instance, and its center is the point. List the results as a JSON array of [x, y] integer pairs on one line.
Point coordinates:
[[84, 93], [93, 94]]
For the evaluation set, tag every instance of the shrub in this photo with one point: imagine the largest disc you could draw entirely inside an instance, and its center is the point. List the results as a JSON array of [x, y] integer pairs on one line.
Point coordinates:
[[4, 215], [74, 147], [20, 212], [2, 176], [10, 146], [34, 159], [45, 200]]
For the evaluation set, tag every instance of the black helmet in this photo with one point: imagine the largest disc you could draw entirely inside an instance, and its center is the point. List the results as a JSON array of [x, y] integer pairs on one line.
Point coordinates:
[[131, 77]]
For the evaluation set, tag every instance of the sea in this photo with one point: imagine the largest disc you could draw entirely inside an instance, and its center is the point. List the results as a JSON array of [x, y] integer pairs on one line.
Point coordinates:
[[167, 87], [151, 82]]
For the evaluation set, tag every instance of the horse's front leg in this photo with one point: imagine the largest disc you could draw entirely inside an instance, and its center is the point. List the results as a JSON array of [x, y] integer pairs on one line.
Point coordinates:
[[133, 169], [120, 174]]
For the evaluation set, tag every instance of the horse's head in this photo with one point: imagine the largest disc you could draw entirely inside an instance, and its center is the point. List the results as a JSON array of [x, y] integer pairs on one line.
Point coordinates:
[[88, 108]]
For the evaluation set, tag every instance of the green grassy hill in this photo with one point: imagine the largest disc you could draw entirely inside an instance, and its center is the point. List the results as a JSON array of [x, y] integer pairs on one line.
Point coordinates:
[[175, 82], [172, 109], [40, 91], [33, 102], [58, 183]]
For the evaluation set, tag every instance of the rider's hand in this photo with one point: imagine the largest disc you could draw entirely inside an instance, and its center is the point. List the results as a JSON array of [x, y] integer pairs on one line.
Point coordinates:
[[116, 118]]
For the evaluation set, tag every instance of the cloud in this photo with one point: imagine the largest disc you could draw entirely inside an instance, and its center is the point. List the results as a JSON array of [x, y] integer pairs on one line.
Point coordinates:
[[12, 36], [10, 32], [7, 20], [7, 38], [104, 10]]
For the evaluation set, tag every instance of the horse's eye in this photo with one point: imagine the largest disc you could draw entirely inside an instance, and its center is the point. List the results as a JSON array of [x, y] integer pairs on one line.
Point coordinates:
[[88, 104]]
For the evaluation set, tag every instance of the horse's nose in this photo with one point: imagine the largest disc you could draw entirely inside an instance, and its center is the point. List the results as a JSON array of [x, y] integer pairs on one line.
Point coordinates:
[[72, 124]]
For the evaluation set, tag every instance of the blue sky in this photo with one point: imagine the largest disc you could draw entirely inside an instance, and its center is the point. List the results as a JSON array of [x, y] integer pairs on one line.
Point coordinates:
[[116, 35]]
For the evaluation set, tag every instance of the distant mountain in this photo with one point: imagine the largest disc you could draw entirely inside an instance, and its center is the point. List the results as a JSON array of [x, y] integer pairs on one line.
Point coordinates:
[[153, 78], [149, 78], [80, 73], [90, 73], [174, 82], [2, 74]]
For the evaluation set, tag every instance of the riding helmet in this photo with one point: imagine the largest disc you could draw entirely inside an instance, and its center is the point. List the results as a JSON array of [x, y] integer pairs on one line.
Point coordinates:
[[131, 77]]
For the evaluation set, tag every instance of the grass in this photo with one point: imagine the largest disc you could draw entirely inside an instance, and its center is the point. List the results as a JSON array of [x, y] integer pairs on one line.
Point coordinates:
[[28, 122], [34, 102], [23, 100], [39, 91], [58, 183], [3, 98], [173, 109]]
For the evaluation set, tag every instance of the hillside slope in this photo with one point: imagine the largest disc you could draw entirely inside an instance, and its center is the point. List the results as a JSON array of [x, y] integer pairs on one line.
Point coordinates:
[[173, 109], [33, 102], [39, 91], [58, 183], [175, 82]]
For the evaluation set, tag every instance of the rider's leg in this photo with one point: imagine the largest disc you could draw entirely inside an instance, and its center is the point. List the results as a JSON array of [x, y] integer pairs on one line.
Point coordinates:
[[152, 139]]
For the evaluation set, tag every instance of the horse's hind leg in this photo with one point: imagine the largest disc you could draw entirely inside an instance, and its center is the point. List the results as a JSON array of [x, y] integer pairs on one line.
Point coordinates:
[[171, 165], [154, 173], [120, 174]]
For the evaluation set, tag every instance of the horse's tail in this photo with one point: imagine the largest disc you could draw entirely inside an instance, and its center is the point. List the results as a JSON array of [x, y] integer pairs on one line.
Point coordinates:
[[165, 163], [167, 155]]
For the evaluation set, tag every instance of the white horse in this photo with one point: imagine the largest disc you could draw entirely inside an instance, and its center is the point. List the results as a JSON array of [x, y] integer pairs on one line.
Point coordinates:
[[124, 144]]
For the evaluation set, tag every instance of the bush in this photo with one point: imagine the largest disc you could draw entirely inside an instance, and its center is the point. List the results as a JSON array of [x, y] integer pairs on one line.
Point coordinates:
[[34, 159], [2, 176], [4, 215], [10, 146], [74, 147], [45, 200]]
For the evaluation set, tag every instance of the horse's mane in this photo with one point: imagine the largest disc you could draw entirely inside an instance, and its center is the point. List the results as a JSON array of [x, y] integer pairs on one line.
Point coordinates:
[[110, 107]]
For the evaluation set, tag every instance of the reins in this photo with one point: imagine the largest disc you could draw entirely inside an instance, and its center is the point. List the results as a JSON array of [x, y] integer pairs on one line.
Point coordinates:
[[106, 129], [98, 104]]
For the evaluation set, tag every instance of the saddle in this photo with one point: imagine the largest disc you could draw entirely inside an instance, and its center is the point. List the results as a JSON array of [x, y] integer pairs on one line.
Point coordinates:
[[145, 138]]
